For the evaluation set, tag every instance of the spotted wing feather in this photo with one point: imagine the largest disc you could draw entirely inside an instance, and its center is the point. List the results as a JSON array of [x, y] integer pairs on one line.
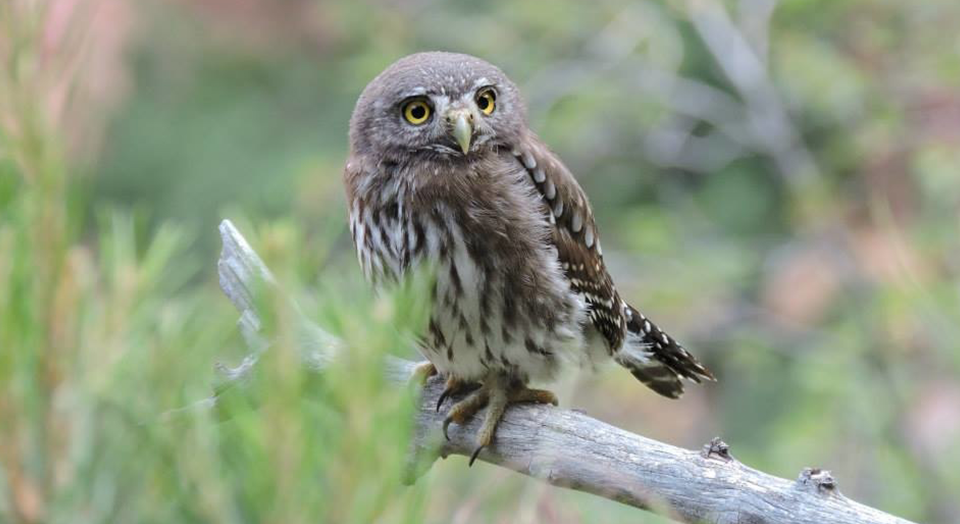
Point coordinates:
[[652, 356], [575, 237]]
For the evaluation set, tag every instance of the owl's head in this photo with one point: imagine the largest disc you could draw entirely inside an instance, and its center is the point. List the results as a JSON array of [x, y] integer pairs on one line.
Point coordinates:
[[437, 105]]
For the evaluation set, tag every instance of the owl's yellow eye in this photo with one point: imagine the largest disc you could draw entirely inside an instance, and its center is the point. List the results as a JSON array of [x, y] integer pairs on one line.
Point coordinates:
[[416, 112], [487, 100]]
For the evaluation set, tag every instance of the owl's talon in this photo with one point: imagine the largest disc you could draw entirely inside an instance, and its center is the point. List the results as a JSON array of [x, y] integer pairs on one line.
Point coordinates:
[[466, 408], [443, 396], [475, 454], [446, 424], [453, 387]]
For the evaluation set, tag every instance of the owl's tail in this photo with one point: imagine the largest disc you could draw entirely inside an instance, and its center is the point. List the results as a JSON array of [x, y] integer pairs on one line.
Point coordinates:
[[656, 359]]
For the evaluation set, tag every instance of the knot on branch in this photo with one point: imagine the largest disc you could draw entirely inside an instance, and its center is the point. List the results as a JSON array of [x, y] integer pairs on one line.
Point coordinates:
[[716, 448], [818, 480]]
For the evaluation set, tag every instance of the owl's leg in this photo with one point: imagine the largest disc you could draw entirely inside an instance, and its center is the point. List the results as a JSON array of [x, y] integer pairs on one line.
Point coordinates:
[[499, 400], [496, 393], [423, 371]]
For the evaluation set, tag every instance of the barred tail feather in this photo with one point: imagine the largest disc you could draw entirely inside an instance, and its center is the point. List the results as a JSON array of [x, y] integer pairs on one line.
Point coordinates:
[[655, 358]]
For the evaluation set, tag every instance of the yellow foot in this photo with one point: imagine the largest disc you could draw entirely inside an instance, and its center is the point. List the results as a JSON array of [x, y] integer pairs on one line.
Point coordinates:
[[496, 394], [423, 371]]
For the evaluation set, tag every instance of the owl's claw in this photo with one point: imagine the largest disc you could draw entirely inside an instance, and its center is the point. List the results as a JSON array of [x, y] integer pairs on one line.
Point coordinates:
[[466, 408], [453, 387], [443, 396], [475, 454]]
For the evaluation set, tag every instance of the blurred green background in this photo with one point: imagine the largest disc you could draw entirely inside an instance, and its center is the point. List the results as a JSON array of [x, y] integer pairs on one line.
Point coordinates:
[[777, 183]]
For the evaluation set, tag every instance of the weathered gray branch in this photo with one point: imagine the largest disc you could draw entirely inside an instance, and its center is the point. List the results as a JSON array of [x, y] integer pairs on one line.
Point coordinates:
[[570, 449]]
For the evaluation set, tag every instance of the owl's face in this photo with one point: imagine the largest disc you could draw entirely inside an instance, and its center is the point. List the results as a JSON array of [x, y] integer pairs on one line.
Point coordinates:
[[440, 106]]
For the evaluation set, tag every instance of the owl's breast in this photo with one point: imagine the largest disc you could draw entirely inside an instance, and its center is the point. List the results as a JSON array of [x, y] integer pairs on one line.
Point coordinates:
[[500, 299]]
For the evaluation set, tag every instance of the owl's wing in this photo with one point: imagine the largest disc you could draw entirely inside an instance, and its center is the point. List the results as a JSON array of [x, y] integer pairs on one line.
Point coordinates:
[[636, 343], [575, 237]]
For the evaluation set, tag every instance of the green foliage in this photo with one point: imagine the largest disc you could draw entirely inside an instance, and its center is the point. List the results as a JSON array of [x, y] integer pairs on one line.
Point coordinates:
[[108, 346], [97, 355]]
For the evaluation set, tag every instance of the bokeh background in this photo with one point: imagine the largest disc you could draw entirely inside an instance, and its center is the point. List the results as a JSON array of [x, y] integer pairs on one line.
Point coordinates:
[[777, 183]]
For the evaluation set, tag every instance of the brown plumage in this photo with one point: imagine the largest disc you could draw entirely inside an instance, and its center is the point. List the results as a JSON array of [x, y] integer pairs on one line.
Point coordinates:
[[444, 171]]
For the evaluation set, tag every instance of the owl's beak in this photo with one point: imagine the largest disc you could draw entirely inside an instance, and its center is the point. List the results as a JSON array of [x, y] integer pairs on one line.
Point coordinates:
[[461, 122]]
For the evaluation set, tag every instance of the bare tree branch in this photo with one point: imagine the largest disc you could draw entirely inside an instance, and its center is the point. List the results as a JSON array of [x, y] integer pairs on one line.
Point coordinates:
[[568, 448]]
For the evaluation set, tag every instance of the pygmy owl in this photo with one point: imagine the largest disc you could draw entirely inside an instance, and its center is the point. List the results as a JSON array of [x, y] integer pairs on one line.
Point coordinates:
[[444, 171]]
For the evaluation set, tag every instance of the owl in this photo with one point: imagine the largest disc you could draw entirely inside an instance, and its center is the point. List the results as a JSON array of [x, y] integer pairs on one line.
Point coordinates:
[[443, 172]]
